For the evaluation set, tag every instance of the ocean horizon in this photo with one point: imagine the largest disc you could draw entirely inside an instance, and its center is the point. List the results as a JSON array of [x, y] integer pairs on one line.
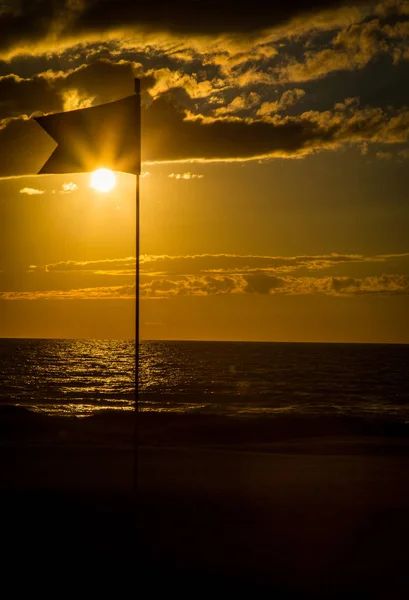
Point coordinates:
[[81, 377], [187, 340]]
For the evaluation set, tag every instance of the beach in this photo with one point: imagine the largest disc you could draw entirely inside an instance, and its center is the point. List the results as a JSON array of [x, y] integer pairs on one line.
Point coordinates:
[[317, 516]]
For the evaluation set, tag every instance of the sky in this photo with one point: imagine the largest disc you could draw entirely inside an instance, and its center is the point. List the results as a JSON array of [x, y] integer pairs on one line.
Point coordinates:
[[275, 171]]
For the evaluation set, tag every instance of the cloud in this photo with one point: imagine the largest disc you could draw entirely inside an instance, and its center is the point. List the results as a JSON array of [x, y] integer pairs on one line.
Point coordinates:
[[211, 17], [214, 98], [350, 49], [289, 98], [203, 275], [112, 264], [74, 100], [48, 24], [166, 79], [31, 191], [174, 134], [239, 104], [265, 284], [68, 187], [217, 285], [245, 264], [185, 176], [123, 292], [220, 51], [384, 155], [54, 91], [217, 263]]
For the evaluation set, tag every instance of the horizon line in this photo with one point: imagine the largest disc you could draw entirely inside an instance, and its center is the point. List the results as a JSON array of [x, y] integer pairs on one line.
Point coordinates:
[[198, 340]]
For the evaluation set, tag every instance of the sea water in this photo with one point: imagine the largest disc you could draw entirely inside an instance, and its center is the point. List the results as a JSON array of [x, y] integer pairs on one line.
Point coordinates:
[[81, 377]]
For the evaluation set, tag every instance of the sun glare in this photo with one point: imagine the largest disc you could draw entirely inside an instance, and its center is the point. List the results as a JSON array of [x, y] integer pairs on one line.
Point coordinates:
[[103, 180]]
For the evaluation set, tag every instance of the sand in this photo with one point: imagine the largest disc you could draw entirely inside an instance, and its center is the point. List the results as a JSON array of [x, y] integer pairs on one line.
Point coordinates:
[[303, 517]]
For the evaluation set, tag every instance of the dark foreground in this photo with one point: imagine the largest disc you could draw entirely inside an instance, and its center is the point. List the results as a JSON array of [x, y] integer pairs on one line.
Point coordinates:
[[305, 516]]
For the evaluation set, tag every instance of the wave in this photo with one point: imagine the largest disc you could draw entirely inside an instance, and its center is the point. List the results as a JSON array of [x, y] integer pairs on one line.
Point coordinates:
[[187, 429]]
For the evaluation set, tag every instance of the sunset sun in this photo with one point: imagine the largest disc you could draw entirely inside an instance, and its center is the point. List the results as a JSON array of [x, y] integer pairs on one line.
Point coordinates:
[[103, 180]]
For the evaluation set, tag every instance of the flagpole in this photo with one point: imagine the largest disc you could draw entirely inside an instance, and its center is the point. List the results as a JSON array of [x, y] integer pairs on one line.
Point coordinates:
[[137, 269]]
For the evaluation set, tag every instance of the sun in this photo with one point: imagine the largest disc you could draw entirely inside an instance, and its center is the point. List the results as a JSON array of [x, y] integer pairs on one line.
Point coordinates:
[[103, 180]]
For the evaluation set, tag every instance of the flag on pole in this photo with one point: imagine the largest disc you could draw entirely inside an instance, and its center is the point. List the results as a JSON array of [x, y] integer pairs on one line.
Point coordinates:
[[105, 136]]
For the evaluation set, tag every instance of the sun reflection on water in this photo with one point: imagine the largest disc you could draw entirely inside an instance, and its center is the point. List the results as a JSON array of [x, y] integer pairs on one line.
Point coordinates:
[[83, 377]]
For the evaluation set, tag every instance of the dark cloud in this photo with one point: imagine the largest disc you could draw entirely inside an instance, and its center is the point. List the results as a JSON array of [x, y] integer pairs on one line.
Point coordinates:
[[341, 284], [26, 96], [37, 20], [170, 136], [104, 80], [206, 286], [173, 131], [29, 22], [183, 16], [350, 49], [113, 51], [101, 81], [262, 284]]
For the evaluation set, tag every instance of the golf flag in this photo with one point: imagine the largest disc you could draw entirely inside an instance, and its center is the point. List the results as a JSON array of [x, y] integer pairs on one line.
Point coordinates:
[[105, 136]]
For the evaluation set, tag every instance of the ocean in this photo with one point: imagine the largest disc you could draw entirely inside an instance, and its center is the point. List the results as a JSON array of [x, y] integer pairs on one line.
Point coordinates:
[[243, 379]]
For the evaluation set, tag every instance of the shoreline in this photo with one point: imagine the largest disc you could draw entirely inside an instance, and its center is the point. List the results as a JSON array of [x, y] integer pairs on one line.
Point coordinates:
[[19, 425]]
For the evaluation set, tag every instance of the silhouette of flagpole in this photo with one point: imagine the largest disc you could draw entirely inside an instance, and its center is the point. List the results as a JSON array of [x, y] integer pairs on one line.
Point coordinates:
[[137, 250], [89, 128]]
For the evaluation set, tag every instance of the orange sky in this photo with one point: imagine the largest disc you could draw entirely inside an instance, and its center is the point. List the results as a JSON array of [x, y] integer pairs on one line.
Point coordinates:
[[274, 189], [216, 264]]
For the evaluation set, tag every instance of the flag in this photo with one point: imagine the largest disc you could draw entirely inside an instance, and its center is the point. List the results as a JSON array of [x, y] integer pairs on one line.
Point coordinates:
[[105, 136]]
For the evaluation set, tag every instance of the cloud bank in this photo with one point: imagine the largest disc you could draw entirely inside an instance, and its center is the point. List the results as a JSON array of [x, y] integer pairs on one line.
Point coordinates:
[[203, 275], [229, 84]]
